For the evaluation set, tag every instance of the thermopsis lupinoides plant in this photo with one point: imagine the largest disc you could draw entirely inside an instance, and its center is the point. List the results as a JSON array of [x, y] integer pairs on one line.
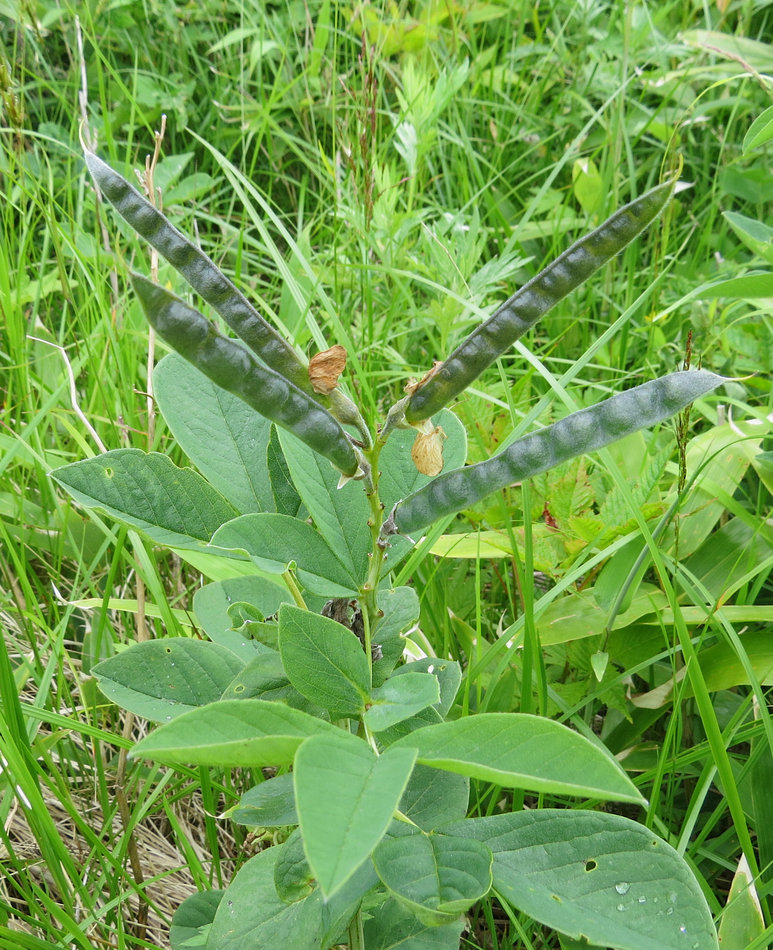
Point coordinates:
[[303, 512]]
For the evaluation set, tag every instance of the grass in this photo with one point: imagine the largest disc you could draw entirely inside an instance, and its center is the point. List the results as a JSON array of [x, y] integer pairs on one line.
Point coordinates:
[[384, 195]]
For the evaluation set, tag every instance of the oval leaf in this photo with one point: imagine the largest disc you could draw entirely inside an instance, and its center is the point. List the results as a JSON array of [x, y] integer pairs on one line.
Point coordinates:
[[224, 437], [268, 805], [399, 698], [346, 796], [436, 875], [173, 506], [324, 661], [517, 750], [595, 876], [249, 733], [273, 541], [161, 679]]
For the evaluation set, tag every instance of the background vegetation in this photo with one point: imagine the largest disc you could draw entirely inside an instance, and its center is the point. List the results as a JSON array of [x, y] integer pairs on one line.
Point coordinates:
[[415, 161]]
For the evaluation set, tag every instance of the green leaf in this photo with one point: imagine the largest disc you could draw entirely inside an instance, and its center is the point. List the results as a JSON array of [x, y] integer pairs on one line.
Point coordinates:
[[435, 875], [760, 131], [720, 456], [211, 604], [191, 920], [742, 922], [427, 717], [345, 796], [758, 237], [324, 661], [579, 615], [268, 805], [399, 698], [597, 876], [748, 287], [292, 875], [287, 501], [235, 732], [433, 797], [263, 676], [400, 610], [251, 913], [173, 506], [399, 475], [517, 750], [161, 679], [224, 437], [340, 514], [448, 673], [587, 184], [393, 927], [274, 541]]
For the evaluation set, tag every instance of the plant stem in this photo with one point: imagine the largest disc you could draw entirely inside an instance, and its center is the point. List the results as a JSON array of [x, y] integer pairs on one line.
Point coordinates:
[[369, 590], [356, 932], [289, 580]]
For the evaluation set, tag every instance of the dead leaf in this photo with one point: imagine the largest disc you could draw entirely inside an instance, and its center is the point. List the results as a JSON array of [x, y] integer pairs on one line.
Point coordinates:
[[412, 385], [427, 451], [325, 368]]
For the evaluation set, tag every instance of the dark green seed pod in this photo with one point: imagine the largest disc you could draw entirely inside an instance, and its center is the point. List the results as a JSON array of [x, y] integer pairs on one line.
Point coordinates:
[[534, 300], [200, 272], [578, 434], [234, 368]]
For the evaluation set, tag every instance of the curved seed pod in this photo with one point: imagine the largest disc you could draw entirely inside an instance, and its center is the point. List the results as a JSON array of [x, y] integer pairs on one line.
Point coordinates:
[[532, 301], [232, 367], [200, 272], [579, 433]]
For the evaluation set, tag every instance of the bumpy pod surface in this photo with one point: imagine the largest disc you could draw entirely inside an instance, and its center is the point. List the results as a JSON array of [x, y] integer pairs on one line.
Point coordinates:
[[532, 301], [200, 272], [234, 368], [579, 433]]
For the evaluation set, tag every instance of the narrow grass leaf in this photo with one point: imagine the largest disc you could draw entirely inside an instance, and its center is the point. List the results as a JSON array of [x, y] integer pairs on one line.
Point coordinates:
[[517, 750], [346, 796], [161, 679], [749, 287], [248, 733], [600, 877]]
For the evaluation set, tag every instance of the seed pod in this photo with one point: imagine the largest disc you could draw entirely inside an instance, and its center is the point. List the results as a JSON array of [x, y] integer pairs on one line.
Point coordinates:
[[534, 300], [200, 272], [234, 368], [579, 433]]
